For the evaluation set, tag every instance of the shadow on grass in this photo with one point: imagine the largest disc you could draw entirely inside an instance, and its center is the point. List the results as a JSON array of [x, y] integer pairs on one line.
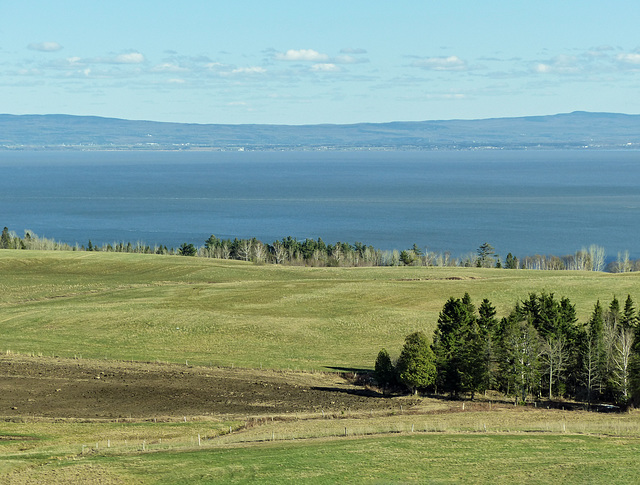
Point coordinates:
[[349, 369], [353, 392]]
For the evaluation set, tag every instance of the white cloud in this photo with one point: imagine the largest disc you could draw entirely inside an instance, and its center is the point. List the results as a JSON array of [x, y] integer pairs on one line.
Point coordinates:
[[325, 67], [451, 63], [301, 55], [629, 58], [29, 72], [168, 67], [214, 66], [45, 46], [542, 68], [599, 51], [346, 59], [249, 70], [228, 70], [130, 58], [561, 64]]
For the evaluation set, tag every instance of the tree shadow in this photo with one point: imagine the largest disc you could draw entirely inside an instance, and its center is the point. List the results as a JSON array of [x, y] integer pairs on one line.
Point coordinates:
[[353, 392], [349, 369]]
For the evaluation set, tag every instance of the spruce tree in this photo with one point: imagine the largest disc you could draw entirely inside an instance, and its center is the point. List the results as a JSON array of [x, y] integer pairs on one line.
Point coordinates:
[[487, 329], [629, 318], [416, 364], [613, 315], [511, 262], [485, 253], [555, 323], [596, 360], [5, 239], [457, 346], [384, 371], [635, 366]]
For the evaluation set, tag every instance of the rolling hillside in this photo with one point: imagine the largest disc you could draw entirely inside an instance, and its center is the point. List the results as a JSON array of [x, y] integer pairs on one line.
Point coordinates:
[[576, 130]]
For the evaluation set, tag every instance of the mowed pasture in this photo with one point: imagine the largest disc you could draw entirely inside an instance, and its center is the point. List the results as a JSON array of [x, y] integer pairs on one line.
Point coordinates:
[[242, 358], [228, 313]]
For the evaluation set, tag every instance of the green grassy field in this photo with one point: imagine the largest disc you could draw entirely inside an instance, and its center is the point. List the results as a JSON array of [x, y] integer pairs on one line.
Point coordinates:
[[228, 313], [176, 309], [537, 447], [417, 458]]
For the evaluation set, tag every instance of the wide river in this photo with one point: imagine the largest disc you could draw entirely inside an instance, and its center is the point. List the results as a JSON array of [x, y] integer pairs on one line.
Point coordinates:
[[523, 202]]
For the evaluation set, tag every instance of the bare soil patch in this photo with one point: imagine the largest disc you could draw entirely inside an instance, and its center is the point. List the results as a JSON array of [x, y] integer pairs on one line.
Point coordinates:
[[91, 389]]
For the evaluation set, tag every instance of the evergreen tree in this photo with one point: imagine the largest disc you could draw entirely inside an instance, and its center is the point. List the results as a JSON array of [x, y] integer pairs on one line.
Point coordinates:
[[613, 315], [485, 253], [595, 360], [407, 257], [635, 366], [416, 250], [555, 323], [458, 347], [5, 239], [187, 249], [570, 332], [611, 332], [384, 371], [487, 329], [468, 304], [416, 364], [629, 317], [511, 262]]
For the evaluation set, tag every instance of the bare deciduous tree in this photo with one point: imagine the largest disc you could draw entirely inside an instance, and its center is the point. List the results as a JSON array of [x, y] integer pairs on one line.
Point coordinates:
[[259, 252], [622, 264], [244, 249], [555, 355], [226, 252], [522, 352], [279, 252], [597, 256], [621, 361], [591, 377]]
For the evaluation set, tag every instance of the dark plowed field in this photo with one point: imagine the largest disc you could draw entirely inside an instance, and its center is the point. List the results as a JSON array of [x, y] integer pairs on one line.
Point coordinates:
[[65, 388]]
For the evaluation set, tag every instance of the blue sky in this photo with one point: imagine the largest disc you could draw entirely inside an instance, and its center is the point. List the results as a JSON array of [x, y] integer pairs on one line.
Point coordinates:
[[303, 62]]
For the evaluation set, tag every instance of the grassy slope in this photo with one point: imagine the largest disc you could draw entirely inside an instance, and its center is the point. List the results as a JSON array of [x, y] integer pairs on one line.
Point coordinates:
[[147, 307], [123, 306], [593, 449], [417, 458]]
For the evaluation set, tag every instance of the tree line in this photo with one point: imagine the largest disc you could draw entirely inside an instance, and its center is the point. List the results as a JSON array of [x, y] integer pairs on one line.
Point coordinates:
[[538, 350], [311, 252]]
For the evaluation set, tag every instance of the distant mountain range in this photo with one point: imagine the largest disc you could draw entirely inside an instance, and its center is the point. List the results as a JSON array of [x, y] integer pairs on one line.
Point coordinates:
[[577, 130]]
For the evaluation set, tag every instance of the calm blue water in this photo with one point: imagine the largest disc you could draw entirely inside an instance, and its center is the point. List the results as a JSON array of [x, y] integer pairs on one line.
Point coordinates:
[[547, 202]]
